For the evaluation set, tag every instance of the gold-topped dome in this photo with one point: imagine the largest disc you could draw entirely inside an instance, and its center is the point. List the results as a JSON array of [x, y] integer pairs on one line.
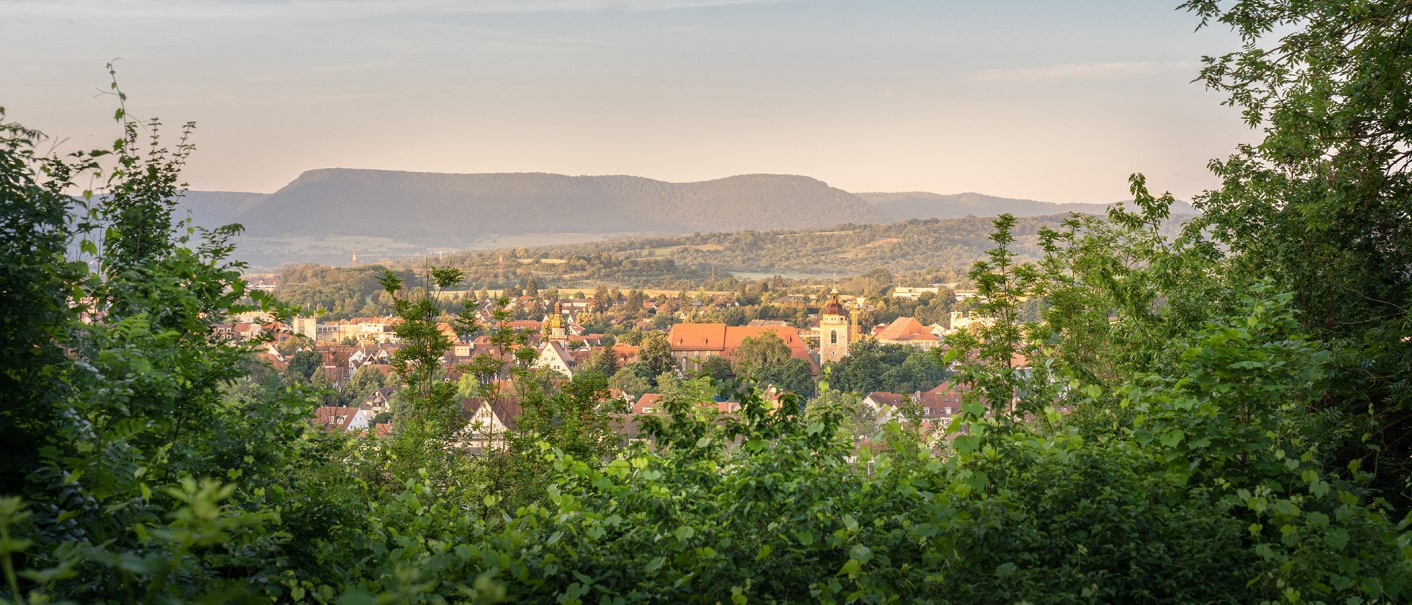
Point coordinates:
[[554, 327]]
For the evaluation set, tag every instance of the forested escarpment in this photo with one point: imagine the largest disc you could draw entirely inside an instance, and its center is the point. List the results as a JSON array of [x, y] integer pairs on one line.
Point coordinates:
[[1238, 396], [914, 245]]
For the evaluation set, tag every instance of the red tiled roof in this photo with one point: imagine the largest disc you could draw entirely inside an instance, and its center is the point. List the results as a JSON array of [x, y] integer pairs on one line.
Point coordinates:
[[648, 400], [906, 329], [697, 337], [334, 418], [278, 364], [883, 398], [725, 339], [944, 400], [625, 353]]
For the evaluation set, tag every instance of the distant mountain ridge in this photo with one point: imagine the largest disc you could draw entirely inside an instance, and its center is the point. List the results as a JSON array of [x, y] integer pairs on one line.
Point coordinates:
[[217, 208], [924, 205], [452, 209], [326, 214]]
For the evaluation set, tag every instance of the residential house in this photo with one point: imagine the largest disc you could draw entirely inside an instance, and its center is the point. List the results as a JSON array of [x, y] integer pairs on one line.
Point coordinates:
[[909, 332], [378, 400], [488, 420], [914, 293], [335, 419], [555, 355], [937, 405], [961, 320], [648, 403]]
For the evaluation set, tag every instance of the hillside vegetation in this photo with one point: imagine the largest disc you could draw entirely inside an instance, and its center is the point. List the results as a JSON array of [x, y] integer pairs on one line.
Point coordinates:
[[914, 245], [924, 205]]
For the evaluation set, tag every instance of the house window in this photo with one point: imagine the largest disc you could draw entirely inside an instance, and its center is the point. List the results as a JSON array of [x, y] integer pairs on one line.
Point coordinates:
[[833, 337]]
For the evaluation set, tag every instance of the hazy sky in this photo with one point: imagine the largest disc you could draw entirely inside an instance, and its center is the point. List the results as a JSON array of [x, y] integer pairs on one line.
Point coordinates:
[[1039, 99]]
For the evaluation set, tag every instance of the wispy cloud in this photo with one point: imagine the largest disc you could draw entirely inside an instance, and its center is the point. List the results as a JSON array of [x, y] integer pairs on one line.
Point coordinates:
[[196, 9], [1082, 71]]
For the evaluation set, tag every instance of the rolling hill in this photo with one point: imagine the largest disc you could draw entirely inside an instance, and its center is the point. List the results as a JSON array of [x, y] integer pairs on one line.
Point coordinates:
[[455, 209], [924, 205], [913, 245]]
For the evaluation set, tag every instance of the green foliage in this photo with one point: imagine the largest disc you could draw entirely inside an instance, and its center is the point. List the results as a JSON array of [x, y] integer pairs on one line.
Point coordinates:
[[426, 410], [602, 362], [1213, 453], [783, 516], [136, 394], [38, 281], [634, 379], [941, 246], [871, 367], [766, 360], [303, 364], [339, 292], [1320, 205], [655, 355], [573, 419]]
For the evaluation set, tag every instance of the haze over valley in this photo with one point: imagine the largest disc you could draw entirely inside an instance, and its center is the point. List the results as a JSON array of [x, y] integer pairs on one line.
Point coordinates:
[[326, 215]]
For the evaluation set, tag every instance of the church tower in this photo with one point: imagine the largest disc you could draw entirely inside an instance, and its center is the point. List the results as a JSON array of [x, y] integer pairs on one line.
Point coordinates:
[[554, 328], [833, 330]]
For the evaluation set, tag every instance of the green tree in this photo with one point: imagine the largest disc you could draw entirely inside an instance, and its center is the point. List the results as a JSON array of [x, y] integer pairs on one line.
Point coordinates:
[[720, 370], [303, 364], [919, 371], [429, 413], [871, 366], [656, 354], [633, 378], [132, 392], [602, 300], [38, 282], [766, 360], [363, 382], [1320, 204], [760, 354], [634, 302], [602, 361]]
